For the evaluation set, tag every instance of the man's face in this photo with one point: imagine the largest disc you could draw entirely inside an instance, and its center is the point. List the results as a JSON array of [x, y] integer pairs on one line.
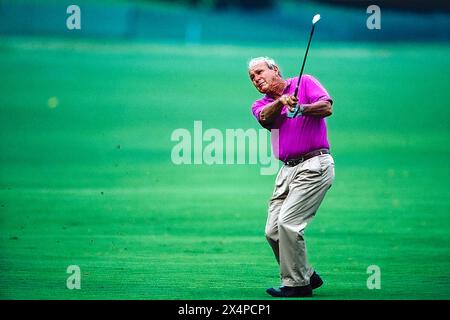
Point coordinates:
[[263, 77]]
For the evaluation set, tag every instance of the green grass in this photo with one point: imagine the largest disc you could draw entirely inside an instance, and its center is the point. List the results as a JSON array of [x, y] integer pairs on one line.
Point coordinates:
[[91, 183]]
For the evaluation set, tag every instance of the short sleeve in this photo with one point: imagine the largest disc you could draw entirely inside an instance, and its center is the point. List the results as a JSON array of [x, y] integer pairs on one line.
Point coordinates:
[[315, 91], [257, 107]]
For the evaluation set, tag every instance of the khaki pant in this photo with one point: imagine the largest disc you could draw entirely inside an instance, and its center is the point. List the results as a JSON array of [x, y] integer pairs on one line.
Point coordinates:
[[297, 195]]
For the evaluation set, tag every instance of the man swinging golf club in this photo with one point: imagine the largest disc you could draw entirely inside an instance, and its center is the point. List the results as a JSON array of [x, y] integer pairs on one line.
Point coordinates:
[[295, 107]]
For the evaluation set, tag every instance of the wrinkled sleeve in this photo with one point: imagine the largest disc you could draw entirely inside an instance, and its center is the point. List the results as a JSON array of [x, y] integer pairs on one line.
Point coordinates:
[[315, 91], [257, 107]]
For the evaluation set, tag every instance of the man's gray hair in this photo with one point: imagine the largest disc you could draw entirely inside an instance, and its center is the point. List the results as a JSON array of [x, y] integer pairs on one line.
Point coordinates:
[[269, 62]]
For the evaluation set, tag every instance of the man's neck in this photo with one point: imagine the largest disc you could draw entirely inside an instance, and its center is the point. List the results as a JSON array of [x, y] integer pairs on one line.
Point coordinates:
[[277, 89]]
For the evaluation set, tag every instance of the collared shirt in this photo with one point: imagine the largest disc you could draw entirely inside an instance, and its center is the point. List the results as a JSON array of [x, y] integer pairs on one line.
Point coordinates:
[[299, 135]]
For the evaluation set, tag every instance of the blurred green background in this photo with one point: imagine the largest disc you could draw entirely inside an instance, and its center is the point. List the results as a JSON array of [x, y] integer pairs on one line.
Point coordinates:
[[86, 176]]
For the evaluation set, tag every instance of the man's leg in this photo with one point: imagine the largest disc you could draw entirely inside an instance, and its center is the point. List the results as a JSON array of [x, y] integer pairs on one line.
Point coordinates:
[[276, 201], [306, 192]]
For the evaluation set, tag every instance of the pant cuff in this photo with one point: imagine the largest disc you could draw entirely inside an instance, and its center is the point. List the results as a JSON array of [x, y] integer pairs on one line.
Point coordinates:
[[292, 283]]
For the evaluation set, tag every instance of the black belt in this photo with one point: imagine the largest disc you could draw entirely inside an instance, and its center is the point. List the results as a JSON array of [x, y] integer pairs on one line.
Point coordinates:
[[306, 156]]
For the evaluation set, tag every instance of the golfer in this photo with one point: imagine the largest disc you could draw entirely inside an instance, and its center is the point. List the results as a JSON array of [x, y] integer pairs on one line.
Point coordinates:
[[308, 172]]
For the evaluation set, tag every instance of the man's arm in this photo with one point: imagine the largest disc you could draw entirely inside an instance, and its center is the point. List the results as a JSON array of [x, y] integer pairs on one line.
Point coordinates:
[[270, 112], [320, 109], [273, 110]]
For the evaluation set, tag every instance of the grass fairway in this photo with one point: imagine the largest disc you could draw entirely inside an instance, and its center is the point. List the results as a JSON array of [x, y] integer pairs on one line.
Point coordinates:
[[86, 176]]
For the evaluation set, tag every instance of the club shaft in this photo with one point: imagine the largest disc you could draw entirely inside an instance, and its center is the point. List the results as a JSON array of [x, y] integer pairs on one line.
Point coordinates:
[[304, 60]]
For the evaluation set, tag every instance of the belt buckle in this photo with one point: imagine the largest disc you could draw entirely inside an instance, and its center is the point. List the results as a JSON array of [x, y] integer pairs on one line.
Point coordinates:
[[294, 162]]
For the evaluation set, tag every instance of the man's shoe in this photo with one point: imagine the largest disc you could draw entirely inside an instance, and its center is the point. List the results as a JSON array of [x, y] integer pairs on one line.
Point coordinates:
[[291, 292], [315, 281]]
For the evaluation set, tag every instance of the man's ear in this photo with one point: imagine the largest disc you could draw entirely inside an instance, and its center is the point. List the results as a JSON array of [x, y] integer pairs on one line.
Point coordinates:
[[277, 70]]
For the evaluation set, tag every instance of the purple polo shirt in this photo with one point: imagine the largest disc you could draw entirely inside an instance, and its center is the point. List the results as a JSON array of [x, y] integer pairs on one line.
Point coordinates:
[[299, 135]]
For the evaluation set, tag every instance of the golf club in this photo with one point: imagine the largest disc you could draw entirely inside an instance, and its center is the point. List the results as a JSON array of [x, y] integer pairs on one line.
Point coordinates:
[[315, 19]]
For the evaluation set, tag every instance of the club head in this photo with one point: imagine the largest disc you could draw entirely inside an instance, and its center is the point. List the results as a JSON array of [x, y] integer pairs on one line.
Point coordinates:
[[316, 18]]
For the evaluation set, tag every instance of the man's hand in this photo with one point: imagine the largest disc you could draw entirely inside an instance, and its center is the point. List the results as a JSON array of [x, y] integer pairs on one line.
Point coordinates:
[[290, 101]]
